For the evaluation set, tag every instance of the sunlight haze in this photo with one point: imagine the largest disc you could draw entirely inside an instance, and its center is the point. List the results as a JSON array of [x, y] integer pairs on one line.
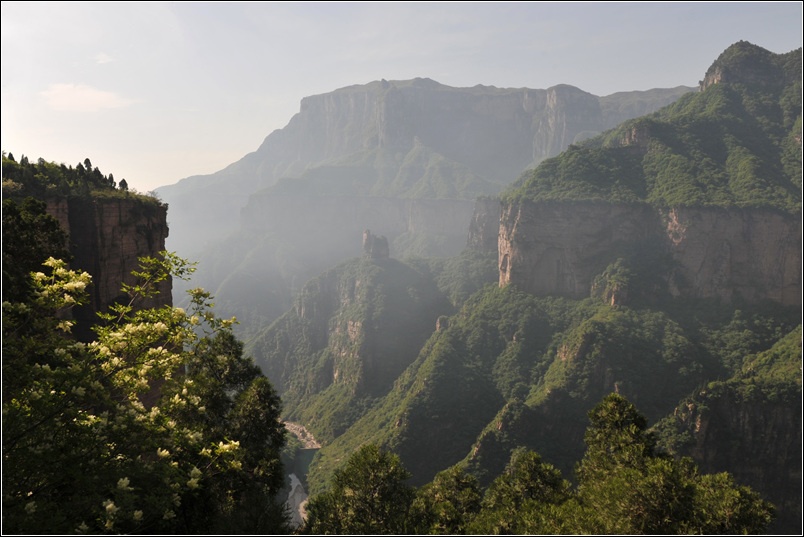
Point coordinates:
[[156, 92]]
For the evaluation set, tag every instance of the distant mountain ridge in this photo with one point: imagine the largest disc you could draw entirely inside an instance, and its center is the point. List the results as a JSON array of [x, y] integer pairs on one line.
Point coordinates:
[[402, 135], [378, 156]]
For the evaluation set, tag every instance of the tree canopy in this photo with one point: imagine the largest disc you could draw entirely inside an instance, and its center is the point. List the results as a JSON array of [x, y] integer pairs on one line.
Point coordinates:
[[160, 425]]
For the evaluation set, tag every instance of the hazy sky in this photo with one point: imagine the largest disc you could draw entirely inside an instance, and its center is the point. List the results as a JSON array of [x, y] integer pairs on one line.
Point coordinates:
[[154, 92]]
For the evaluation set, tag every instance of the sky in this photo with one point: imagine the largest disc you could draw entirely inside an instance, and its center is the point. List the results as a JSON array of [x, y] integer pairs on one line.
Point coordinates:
[[154, 92]]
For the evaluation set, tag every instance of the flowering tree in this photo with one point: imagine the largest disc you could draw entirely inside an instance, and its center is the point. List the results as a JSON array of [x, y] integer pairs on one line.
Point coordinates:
[[160, 425]]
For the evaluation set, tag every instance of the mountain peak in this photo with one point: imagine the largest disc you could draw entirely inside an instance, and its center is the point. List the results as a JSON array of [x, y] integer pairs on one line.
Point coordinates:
[[745, 63]]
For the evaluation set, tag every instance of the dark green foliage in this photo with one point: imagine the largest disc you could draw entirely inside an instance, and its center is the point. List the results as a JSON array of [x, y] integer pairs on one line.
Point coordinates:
[[464, 374], [737, 143], [616, 437], [752, 417], [152, 427], [632, 489], [624, 487], [640, 352], [30, 236], [460, 276], [744, 335], [447, 504], [240, 403], [47, 179], [369, 495], [527, 484]]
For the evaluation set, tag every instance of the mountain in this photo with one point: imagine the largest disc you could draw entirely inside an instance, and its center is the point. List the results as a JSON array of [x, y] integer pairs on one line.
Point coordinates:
[[408, 138], [405, 159], [660, 260], [712, 183], [351, 333]]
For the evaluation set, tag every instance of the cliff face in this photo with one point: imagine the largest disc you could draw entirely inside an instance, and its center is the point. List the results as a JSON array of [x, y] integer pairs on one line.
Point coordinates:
[[755, 437], [484, 227], [496, 132], [559, 248], [107, 237], [492, 134], [351, 332]]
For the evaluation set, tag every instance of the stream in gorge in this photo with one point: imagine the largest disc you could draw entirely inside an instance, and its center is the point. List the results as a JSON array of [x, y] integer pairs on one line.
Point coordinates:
[[297, 496]]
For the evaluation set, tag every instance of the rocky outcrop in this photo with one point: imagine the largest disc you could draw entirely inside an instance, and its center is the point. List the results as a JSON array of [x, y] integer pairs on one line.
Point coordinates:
[[107, 236], [375, 247], [352, 331], [755, 436], [484, 227], [557, 248], [753, 254]]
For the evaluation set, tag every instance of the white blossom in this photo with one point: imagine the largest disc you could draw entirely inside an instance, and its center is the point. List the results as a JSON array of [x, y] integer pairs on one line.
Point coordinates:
[[110, 507]]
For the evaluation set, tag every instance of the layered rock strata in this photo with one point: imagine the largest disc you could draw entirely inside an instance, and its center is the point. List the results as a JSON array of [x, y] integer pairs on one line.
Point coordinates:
[[107, 236], [552, 248]]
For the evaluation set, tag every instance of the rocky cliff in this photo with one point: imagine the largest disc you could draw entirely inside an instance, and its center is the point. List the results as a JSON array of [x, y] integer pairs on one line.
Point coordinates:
[[414, 138], [350, 334], [750, 426], [756, 438], [553, 248], [107, 236], [402, 158], [484, 227]]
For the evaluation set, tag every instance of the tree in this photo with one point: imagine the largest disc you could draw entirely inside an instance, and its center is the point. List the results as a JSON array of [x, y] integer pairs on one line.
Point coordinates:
[[528, 484], [369, 495], [627, 487], [123, 184], [447, 504], [30, 236], [160, 425]]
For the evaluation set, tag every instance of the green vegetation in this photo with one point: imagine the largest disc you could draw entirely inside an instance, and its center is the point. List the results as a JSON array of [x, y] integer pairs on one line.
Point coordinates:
[[445, 404], [159, 425], [368, 496], [624, 486], [352, 332], [460, 276], [735, 144], [512, 371], [30, 236], [43, 180]]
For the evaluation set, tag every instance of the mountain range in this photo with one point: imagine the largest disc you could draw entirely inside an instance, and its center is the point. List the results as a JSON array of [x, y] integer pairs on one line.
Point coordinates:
[[658, 256], [404, 159]]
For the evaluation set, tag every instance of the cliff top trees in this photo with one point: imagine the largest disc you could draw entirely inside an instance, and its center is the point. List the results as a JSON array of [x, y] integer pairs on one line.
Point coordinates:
[[44, 179]]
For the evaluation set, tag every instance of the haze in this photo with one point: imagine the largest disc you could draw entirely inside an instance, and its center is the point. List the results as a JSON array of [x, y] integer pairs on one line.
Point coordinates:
[[155, 92]]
